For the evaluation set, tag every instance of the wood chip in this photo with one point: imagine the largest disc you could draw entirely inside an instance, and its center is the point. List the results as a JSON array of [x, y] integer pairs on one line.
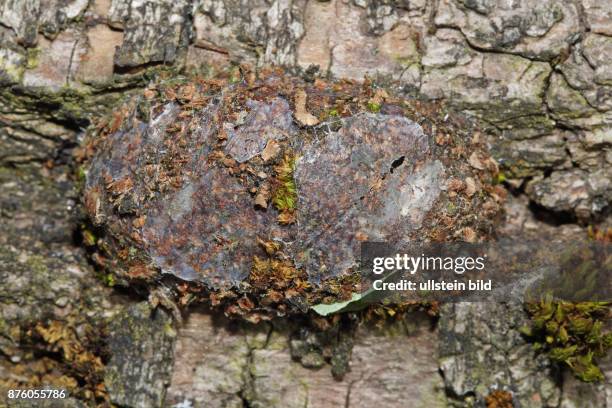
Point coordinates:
[[361, 236], [469, 235], [263, 196], [455, 185], [476, 138], [301, 114], [139, 222], [229, 162], [470, 187], [271, 151], [245, 303], [476, 162], [379, 96], [149, 94]]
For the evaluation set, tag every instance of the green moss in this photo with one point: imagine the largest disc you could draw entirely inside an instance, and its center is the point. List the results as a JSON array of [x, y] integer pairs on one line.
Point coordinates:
[[37, 264], [571, 334], [235, 75], [81, 177], [77, 106], [406, 62], [284, 199], [374, 107], [11, 70], [32, 58], [285, 195], [109, 280], [66, 104], [89, 238]]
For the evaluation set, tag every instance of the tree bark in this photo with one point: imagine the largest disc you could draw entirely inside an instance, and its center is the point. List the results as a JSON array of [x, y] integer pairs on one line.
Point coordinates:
[[536, 76]]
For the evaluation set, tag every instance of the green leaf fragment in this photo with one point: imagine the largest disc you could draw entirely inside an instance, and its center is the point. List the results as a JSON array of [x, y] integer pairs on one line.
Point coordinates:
[[327, 309]]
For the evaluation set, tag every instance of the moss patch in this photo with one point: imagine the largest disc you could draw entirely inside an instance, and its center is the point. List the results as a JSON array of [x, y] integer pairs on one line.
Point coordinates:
[[285, 193], [571, 333]]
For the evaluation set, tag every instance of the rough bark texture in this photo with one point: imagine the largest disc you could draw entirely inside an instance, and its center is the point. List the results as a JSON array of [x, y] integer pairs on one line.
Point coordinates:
[[536, 73], [389, 365], [142, 342]]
